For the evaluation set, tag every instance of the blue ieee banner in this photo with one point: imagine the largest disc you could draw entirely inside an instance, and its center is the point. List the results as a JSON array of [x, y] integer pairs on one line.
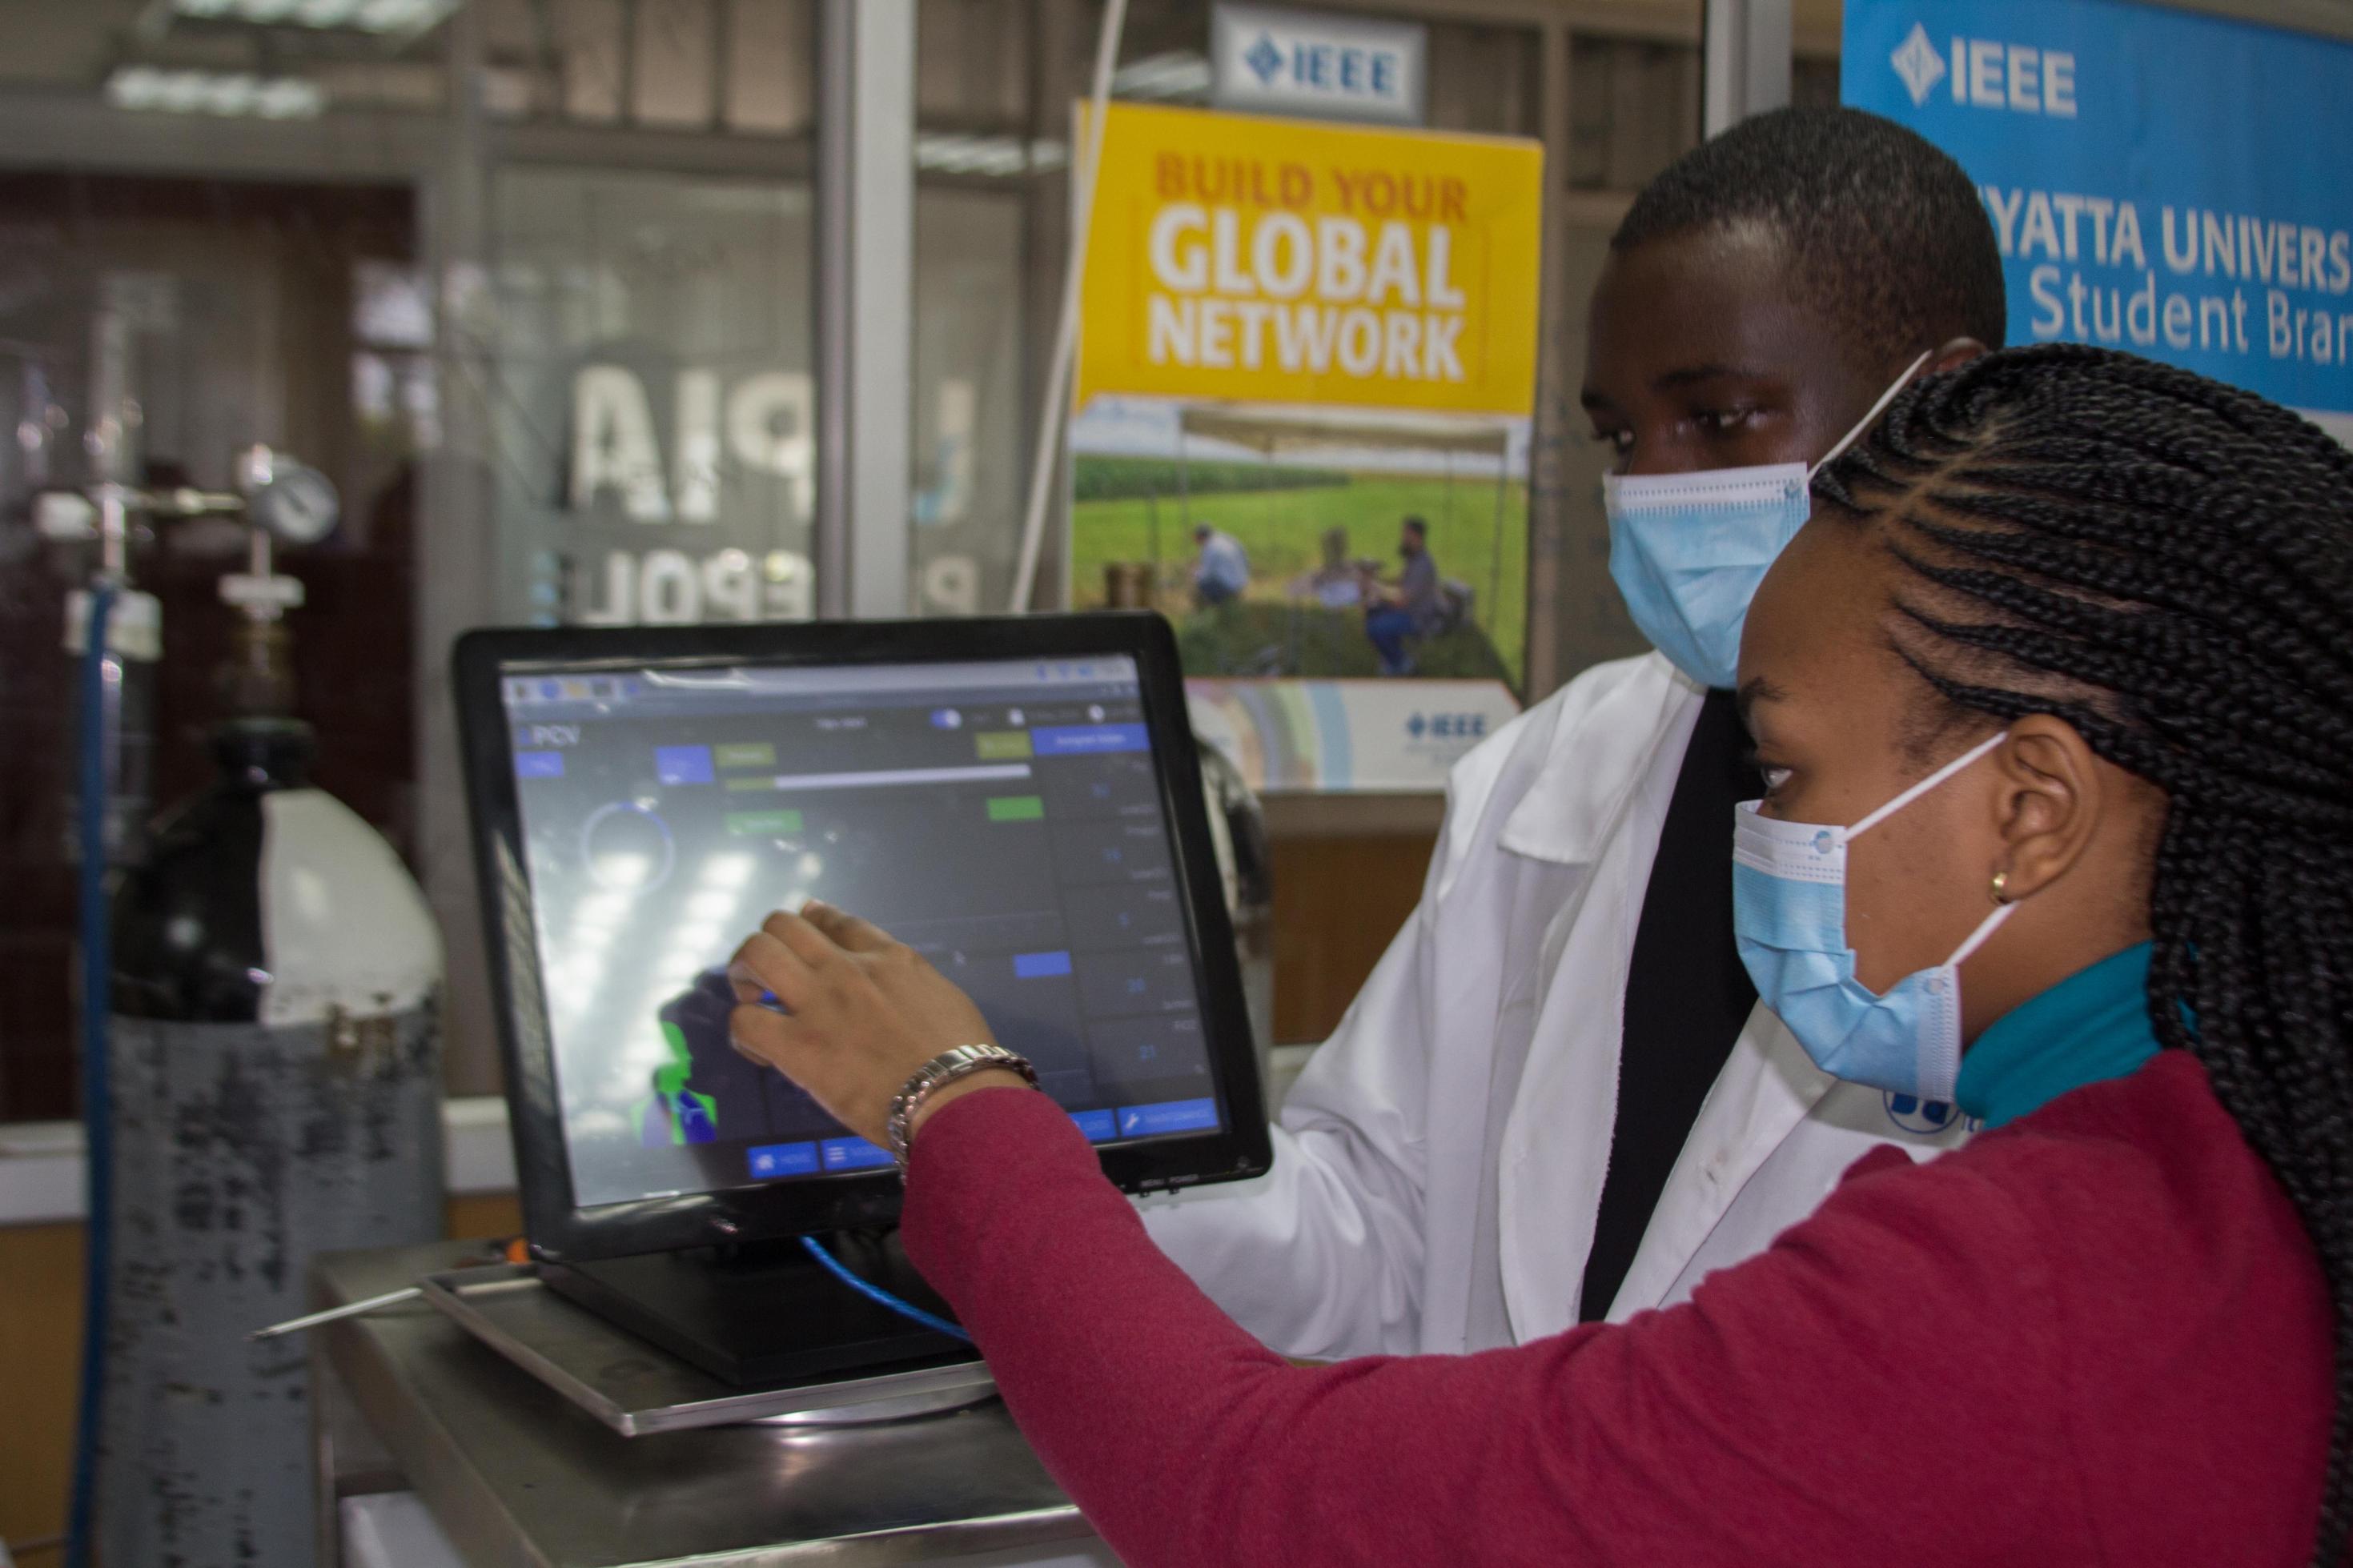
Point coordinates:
[[2170, 183]]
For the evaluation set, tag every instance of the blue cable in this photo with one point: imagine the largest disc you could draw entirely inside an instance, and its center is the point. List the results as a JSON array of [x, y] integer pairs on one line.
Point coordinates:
[[97, 1090], [873, 1293]]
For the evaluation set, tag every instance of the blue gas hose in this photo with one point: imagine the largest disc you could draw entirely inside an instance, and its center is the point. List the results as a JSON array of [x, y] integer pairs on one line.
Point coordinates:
[[96, 1096]]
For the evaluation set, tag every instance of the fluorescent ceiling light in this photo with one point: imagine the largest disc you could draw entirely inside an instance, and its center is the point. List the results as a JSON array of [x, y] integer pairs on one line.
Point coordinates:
[[1180, 77], [994, 155], [215, 93], [357, 15]]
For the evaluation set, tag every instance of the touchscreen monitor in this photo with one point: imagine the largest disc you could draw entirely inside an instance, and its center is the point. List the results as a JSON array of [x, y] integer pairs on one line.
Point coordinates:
[[1019, 817]]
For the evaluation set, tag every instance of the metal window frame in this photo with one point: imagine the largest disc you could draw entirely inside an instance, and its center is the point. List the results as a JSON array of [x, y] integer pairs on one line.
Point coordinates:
[[865, 305], [1746, 61]]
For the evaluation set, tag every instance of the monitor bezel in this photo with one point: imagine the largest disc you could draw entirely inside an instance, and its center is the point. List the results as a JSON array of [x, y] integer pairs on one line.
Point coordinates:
[[557, 1228]]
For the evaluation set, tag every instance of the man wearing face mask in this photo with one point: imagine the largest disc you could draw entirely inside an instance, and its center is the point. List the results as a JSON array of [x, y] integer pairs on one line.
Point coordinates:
[[1556, 1099]]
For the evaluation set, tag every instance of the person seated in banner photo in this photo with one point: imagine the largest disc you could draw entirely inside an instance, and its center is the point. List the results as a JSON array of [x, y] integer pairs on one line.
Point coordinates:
[[1414, 608], [1338, 583], [1556, 1098], [2050, 816], [1222, 573]]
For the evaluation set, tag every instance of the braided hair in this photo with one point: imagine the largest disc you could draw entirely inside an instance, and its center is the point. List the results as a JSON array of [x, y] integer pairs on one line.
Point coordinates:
[[2166, 563]]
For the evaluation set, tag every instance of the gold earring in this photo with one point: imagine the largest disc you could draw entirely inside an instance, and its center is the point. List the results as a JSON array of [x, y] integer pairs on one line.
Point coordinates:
[[2000, 887]]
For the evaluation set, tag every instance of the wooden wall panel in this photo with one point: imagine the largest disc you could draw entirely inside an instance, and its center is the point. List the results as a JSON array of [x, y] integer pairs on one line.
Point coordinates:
[[1337, 903], [40, 1338]]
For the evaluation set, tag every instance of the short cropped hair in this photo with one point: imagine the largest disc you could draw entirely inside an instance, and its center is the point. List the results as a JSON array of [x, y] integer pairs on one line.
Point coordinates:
[[1885, 234], [1421, 528]]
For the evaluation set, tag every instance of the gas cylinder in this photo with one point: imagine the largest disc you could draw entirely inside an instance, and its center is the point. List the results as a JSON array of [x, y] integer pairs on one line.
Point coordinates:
[[277, 1092]]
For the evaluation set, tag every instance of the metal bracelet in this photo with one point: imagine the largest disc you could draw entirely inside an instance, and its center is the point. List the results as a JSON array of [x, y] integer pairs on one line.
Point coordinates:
[[962, 1061]]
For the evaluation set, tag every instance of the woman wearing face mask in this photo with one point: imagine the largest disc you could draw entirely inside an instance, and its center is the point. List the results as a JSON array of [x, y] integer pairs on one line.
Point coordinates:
[[2054, 707]]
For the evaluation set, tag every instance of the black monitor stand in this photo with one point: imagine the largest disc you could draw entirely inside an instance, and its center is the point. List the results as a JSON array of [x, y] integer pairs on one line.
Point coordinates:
[[767, 1314]]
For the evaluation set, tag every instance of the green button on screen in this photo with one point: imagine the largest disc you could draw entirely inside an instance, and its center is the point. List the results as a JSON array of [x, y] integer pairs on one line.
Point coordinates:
[[764, 824]]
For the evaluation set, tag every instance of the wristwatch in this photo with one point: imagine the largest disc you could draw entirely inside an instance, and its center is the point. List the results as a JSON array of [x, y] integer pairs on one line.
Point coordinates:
[[962, 1061]]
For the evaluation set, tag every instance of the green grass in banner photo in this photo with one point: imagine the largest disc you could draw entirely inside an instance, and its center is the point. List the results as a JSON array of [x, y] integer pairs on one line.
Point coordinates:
[[1281, 524]]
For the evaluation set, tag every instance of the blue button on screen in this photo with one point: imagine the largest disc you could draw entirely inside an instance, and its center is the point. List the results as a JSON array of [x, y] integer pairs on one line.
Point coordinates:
[[1040, 965], [854, 1154], [772, 1159], [683, 764], [1168, 1116], [1088, 739], [539, 765], [1098, 1125]]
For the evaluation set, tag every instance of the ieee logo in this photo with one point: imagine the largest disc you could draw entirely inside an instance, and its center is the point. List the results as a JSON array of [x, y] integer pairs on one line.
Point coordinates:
[[1919, 64], [1264, 59], [1321, 67], [1276, 59], [1987, 73], [1447, 726]]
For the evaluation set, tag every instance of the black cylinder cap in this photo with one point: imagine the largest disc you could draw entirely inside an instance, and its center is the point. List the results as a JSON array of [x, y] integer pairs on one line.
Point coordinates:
[[264, 754]]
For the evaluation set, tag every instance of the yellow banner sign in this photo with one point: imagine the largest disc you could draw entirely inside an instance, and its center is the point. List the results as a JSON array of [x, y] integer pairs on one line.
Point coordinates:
[[1273, 261]]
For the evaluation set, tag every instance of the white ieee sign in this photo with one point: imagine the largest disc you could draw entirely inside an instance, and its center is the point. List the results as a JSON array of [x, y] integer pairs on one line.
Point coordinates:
[[1265, 61]]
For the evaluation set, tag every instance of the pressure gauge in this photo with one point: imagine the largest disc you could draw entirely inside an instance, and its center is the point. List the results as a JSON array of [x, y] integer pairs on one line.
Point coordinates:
[[296, 504]]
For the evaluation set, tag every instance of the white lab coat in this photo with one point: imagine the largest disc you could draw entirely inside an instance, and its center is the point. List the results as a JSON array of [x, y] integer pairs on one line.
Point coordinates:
[[1429, 1193]]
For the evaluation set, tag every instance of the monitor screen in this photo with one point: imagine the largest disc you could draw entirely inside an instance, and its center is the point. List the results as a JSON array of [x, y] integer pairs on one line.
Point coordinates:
[[1003, 816]]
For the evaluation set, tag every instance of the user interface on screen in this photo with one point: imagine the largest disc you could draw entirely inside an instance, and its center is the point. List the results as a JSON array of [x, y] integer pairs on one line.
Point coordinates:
[[1003, 818]]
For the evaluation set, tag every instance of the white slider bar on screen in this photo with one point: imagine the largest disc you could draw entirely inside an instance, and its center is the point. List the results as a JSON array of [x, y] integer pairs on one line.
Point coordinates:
[[902, 776]]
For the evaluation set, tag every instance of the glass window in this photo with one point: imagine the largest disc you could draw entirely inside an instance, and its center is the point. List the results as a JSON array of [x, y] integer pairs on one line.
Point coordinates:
[[654, 406], [1634, 107], [991, 182], [584, 333], [970, 471], [1814, 81], [249, 310], [588, 335]]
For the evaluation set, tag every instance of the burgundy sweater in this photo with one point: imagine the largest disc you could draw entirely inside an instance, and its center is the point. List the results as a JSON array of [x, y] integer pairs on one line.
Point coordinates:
[[2096, 1335]]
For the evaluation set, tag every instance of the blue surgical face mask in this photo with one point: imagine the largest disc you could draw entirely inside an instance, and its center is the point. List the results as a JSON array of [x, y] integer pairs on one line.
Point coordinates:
[[1687, 551], [1788, 915]]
